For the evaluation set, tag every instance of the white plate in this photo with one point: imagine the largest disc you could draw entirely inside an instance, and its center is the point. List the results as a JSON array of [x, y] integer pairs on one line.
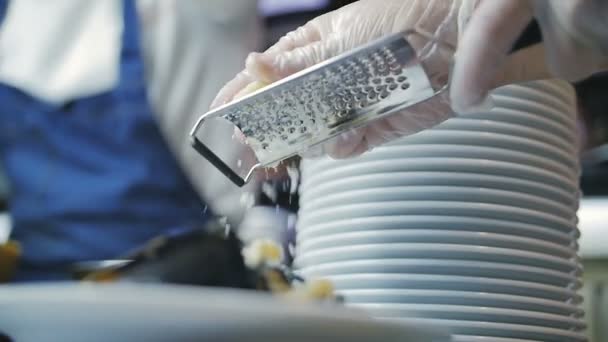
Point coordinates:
[[445, 267], [453, 151], [487, 139], [551, 88], [481, 210], [454, 283], [471, 139], [478, 125], [461, 298], [435, 251], [433, 236], [472, 313], [387, 180], [439, 193], [528, 120], [460, 165], [96, 313], [555, 87], [435, 222], [562, 114], [545, 94], [563, 107], [514, 331]]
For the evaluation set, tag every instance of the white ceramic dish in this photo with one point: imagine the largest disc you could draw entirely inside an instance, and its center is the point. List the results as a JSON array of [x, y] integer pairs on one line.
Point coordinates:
[[561, 105], [473, 313], [460, 165], [440, 193], [375, 281], [490, 329], [527, 119], [375, 236], [471, 139], [445, 267], [436, 251], [551, 88], [554, 88], [562, 114], [478, 125], [461, 298], [434, 222], [544, 92], [454, 151], [482, 210], [121, 313], [496, 140], [311, 191]]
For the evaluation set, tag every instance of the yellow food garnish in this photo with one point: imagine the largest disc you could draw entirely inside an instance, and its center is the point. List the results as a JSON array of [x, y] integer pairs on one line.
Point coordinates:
[[275, 282], [107, 276], [9, 253], [320, 289], [315, 290], [250, 88], [261, 252]]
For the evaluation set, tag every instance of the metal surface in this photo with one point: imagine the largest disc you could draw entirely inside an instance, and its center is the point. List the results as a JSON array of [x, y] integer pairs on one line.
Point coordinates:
[[338, 95]]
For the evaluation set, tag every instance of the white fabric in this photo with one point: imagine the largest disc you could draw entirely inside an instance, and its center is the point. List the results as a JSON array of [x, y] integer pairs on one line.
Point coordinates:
[[63, 49], [192, 48], [52, 49]]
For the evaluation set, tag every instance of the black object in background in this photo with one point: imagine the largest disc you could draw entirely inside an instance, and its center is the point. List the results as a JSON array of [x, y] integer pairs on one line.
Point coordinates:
[[593, 104], [209, 256], [531, 35], [594, 180], [593, 108]]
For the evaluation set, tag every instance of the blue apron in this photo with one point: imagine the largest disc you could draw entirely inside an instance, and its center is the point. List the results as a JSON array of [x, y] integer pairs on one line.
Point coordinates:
[[93, 178]]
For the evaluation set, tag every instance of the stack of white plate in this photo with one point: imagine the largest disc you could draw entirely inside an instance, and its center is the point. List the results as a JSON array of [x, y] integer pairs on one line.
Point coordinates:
[[470, 225]]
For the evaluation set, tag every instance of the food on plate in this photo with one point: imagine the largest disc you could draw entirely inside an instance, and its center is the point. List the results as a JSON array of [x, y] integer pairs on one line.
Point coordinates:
[[213, 257]]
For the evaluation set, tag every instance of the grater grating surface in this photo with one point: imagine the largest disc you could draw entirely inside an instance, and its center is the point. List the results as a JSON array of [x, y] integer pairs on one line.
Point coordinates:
[[312, 106]]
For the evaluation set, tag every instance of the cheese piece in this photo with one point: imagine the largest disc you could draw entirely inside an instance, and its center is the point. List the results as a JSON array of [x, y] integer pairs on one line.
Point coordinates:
[[250, 88]]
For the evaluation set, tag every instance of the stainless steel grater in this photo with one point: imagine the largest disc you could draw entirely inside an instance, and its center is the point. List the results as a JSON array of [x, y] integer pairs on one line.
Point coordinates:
[[318, 103]]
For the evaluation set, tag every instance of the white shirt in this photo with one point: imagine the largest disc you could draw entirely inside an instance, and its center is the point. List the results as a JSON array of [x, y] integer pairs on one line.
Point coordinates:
[[61, 49], [58, 50]]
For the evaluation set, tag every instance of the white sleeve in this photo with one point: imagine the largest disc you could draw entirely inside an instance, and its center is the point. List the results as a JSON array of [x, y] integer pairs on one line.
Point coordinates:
[[55, 61], [189, 55]]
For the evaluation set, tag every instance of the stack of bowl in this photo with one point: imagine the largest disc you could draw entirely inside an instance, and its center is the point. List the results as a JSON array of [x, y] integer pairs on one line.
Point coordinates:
[[470, 225]]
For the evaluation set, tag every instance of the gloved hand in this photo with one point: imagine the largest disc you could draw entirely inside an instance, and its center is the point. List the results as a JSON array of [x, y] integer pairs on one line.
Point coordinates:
[[349, 27], [575, 37]]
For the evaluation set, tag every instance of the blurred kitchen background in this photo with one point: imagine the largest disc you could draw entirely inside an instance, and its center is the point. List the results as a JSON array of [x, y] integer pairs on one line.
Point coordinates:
[[281, 16]]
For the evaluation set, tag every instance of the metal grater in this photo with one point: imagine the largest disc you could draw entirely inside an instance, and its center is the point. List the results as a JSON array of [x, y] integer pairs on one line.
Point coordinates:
[[318, 103]]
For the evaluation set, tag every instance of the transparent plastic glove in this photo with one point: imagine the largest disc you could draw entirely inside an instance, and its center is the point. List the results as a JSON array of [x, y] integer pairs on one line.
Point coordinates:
[[575, 45], [346, 28]]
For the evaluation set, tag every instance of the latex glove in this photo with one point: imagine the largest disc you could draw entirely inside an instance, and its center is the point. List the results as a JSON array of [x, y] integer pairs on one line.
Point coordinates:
[[575, 39], [346, 28]]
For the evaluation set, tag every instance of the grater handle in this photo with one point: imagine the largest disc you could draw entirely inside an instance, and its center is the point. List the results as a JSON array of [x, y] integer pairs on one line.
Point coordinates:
[[216, 161]]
